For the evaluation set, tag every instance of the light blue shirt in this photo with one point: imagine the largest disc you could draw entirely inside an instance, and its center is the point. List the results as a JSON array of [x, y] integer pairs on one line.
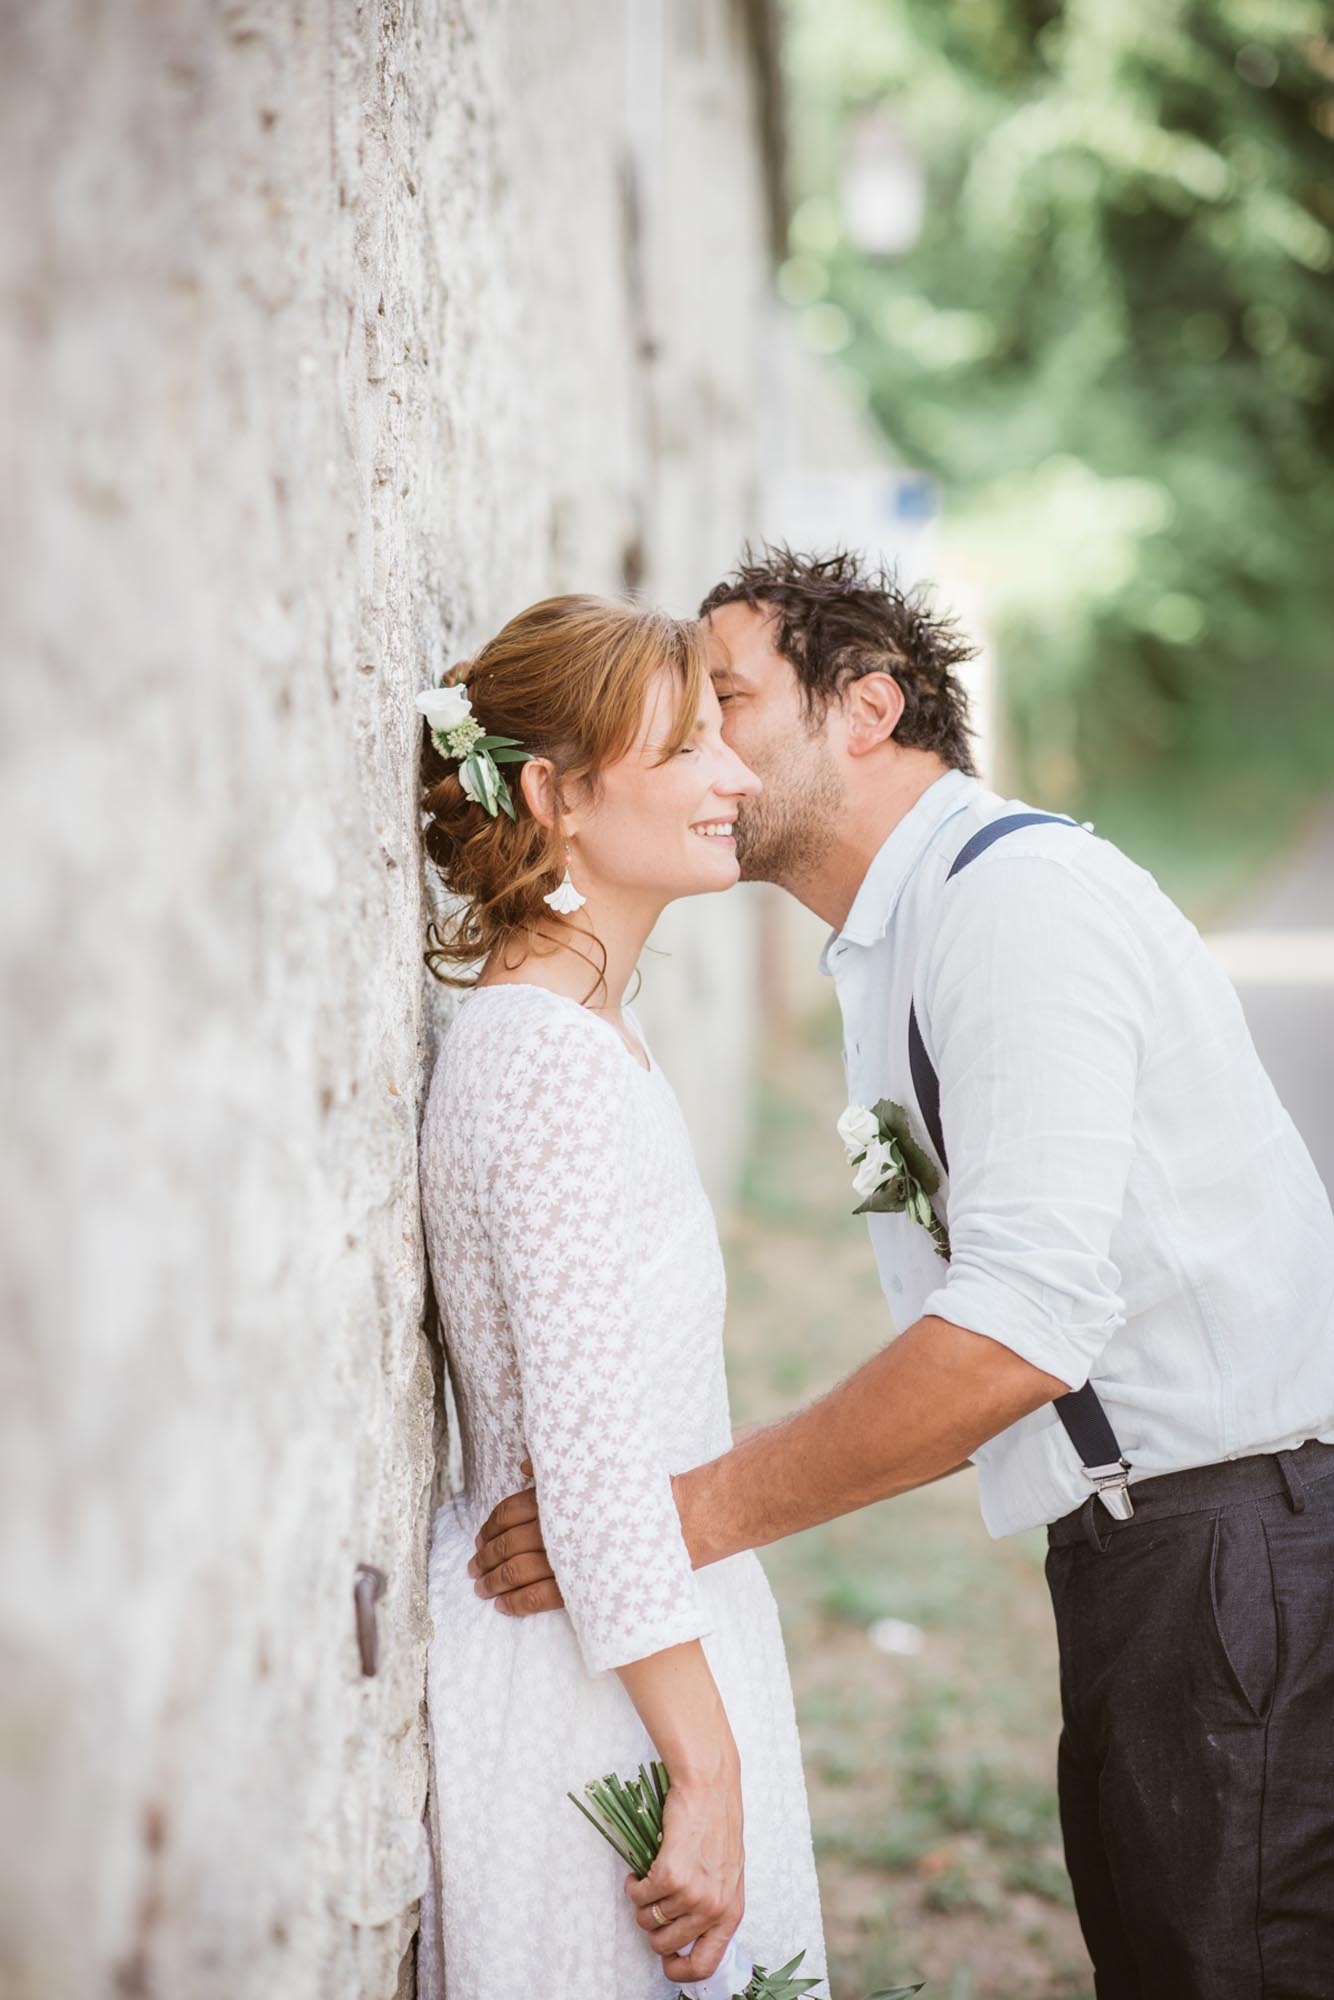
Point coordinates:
[[1129, 1202]]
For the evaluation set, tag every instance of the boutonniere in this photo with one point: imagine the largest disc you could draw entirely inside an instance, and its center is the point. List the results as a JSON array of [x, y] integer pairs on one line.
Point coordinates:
[[894, 1173]]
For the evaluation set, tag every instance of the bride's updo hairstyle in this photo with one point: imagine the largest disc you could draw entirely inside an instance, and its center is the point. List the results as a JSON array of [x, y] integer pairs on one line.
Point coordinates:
[[569, 679]]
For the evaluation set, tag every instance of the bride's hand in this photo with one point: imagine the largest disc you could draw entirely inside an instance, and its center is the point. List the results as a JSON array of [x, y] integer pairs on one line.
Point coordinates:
[[698, 1879]]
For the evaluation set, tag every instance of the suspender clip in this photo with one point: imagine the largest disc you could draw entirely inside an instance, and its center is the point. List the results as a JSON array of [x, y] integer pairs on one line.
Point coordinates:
[[1112, 1486]]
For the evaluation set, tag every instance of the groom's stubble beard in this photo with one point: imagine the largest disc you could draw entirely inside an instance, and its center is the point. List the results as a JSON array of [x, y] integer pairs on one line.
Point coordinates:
[[785, 832]]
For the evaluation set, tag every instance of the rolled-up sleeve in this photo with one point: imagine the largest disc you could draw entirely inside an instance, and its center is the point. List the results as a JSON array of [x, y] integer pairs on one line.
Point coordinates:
[[1037, 1000]]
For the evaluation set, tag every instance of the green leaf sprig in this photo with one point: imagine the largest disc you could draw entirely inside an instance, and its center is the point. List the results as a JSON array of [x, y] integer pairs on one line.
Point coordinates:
[[482, 781], [778, 1985]]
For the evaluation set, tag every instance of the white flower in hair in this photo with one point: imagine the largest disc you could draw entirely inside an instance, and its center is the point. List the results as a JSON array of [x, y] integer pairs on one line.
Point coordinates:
[[445, 707], [457, 733]]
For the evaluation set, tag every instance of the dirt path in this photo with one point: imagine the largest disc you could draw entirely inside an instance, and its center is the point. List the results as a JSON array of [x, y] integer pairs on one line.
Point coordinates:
[[1279, 950]]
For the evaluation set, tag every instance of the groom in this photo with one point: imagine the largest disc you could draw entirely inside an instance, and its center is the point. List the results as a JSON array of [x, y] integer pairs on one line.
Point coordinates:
[[1133, 1337]]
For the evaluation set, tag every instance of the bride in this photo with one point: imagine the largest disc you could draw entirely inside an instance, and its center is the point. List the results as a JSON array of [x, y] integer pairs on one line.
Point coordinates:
[[576, 1262]]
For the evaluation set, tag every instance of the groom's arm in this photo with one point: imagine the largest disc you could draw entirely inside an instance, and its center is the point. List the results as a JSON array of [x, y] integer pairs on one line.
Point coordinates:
[[912, 1413], [1040, 996]]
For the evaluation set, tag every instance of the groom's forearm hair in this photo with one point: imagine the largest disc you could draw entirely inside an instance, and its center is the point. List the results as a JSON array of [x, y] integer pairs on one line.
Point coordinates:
[[912, 1413]]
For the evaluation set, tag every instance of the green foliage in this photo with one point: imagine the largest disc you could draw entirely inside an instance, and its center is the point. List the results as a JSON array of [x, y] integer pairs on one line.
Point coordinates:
[[1111, 343], [779, 1985]]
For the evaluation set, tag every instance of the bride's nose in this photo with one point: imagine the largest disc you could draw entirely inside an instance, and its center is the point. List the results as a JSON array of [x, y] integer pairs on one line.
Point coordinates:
[[738, 781]]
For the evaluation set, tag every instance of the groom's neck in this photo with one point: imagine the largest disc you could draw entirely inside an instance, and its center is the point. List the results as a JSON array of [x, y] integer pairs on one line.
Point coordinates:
[[875, 802]]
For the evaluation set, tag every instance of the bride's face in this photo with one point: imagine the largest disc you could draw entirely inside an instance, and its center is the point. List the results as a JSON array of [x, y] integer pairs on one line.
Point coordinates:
[[664, 829]]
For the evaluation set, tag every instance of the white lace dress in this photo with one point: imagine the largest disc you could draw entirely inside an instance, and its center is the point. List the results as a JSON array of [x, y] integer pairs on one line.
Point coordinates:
[[576, 1261]]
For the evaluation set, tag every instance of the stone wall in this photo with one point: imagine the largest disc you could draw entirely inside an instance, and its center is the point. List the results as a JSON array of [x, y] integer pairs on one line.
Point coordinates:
[[330, 336]]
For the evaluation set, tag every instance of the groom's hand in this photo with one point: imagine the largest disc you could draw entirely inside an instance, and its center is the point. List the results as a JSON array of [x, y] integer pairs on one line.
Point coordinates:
[[511, 1561]]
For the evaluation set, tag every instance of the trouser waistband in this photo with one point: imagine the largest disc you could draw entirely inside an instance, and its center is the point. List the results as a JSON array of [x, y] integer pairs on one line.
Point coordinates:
[[1230, 1484]]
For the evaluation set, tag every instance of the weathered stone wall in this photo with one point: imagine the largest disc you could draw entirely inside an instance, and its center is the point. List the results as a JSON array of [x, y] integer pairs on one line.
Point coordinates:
[[328, 337]]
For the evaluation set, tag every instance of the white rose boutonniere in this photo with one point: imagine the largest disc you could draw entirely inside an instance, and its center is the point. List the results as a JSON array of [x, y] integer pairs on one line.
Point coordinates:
[[895, 1174], [878, 1165], [858, 1128]]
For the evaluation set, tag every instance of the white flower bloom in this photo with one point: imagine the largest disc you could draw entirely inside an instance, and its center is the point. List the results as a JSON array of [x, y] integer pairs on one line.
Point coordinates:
[[858, 1128], [445, 708], [878, 1166]]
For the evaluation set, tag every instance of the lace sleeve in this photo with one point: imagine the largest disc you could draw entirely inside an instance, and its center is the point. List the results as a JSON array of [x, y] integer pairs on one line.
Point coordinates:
[[561, 1193]]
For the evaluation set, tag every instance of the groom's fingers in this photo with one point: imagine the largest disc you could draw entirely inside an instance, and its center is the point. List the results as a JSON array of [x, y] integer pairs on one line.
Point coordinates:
[[524, 1540], [511, 1563], [531, 1597], [515, 1574], [512, 1512]]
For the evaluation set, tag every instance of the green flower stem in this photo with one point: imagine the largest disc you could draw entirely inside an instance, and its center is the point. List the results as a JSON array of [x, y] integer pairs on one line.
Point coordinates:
[[597, 1826], [632, 1811], [629, 1817]]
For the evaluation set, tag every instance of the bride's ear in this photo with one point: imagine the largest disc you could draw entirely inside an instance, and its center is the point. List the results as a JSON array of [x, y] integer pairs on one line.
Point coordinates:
[[537, 780]]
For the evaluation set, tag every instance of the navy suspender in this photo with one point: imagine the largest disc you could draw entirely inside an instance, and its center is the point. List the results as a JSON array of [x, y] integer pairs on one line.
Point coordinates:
[[1080, 1411]]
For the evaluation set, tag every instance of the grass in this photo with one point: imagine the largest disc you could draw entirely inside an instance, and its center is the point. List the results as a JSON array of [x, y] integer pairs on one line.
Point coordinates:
[[931, 1774]]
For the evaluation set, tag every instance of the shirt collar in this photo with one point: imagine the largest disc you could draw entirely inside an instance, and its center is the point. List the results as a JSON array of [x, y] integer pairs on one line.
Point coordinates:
[[884, 881]]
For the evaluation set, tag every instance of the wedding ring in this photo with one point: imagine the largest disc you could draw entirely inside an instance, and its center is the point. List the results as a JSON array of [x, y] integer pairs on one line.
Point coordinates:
[[657, 1916]]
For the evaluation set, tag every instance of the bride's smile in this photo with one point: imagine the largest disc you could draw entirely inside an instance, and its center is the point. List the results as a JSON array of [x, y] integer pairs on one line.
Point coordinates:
[[662, 823]]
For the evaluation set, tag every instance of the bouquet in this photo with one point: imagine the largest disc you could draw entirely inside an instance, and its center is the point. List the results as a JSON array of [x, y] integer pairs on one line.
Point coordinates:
[[628, 1815]]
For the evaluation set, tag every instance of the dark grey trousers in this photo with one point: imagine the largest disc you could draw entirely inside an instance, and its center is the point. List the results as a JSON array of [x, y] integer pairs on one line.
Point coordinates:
[[1197, 1755]]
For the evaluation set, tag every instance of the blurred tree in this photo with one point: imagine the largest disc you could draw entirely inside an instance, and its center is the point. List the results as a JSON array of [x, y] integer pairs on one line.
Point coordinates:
[[1111, 342]]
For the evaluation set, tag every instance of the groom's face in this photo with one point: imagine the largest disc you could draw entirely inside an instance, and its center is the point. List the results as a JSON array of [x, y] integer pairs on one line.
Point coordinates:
[[783, 831]]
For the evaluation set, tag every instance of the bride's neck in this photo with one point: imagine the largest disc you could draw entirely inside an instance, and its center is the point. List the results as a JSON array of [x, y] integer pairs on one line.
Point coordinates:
[[570, 959]]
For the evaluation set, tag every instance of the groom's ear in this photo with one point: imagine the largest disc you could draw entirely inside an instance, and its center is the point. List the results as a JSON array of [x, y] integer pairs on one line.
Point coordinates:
[[872, 705]]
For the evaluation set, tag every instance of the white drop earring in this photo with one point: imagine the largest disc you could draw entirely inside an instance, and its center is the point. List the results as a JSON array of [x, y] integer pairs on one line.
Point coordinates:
[[566, 899]]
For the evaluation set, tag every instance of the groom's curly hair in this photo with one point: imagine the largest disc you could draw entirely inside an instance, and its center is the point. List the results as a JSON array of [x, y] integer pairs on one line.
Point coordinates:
[[837, 617]]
